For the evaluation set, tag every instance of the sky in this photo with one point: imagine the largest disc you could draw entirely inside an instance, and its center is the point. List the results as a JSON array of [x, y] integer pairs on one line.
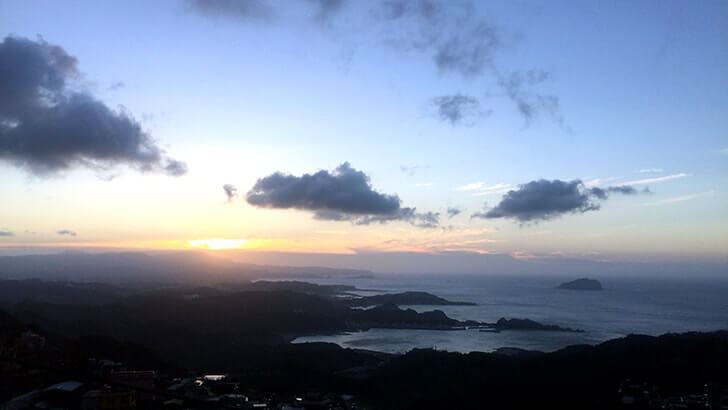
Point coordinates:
[[587, 130]]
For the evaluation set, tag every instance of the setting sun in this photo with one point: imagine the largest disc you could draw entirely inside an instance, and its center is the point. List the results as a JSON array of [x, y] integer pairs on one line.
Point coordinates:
[[218, 243]]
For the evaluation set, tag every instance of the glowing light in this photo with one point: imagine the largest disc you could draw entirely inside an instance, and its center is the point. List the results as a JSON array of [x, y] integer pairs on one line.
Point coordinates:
[[218, 243]]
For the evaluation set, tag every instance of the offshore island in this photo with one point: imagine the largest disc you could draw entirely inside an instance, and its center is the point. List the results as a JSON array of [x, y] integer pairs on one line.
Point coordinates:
[[581, 284]]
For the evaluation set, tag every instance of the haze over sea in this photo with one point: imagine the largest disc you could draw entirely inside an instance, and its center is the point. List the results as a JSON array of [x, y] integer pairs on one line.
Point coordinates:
[[649, 306]]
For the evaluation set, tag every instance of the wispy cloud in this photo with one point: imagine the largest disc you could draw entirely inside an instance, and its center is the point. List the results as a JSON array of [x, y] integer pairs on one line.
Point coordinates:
[[649, 170], [411, 170], [117, 85], [590, 182], [471, 186], [518, 87], [451, 34], [493, 191], [481, 189], [681, 198], [657, 179], [480, 186], [478, 240], [6, 233], [459, 109], [541, 232], [66, 232], [248, 10]]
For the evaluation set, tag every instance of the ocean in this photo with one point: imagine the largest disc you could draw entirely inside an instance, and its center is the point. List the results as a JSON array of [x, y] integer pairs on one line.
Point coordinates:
[[626, 306]]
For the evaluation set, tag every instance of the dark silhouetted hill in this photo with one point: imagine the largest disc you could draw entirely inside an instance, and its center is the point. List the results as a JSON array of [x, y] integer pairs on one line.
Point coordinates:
[[404, 298]]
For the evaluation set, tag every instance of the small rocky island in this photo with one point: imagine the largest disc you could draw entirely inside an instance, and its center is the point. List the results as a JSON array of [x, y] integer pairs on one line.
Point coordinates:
[[581, 284]]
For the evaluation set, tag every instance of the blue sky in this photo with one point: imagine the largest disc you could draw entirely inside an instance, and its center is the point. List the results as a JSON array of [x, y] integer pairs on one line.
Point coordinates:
[[640, 87]]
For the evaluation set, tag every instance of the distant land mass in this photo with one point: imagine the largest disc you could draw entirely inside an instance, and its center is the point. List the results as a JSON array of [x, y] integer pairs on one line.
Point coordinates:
[[191, 267], [581, 284], [405, 298]]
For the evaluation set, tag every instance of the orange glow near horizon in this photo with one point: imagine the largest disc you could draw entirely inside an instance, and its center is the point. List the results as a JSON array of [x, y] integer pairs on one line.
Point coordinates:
[[318, 242], [208, 244], [271, 245], [216, 244]]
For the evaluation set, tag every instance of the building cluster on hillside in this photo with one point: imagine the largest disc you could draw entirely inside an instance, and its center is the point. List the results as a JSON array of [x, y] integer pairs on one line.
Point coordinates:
[[118, 388], [37, 373], [641, 395], [111, 386]]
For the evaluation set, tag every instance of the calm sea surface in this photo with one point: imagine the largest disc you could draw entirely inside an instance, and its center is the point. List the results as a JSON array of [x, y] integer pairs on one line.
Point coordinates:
[[627, 305]]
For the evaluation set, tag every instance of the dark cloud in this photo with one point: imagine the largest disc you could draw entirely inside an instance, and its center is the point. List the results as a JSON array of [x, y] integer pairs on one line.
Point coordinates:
[[452, 211], [46, 126], [66, 232], [458, 108], [544, 200], [409, 215], [603, 193], [6, 233], [344, 194], [345, 190], [33, 74], [231, 191], [252, 10]]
